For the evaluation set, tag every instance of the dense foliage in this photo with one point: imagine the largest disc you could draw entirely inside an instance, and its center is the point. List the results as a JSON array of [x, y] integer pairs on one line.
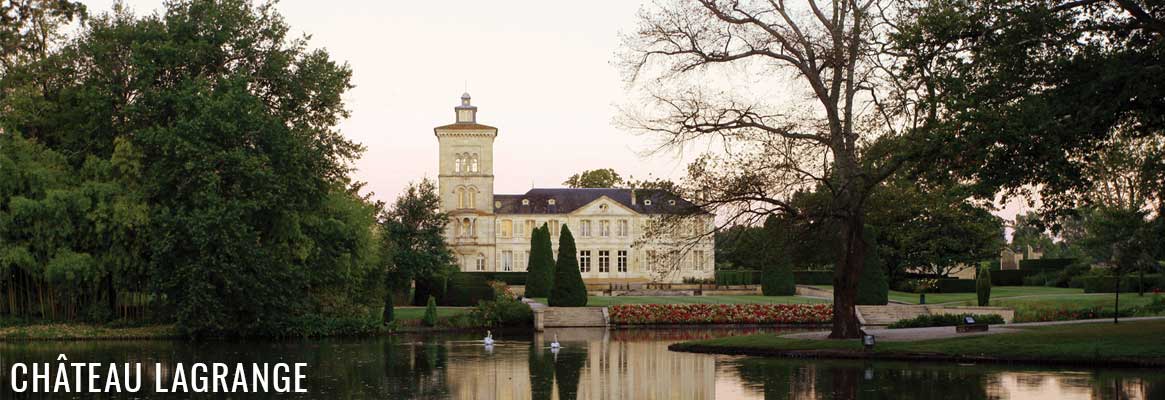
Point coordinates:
[[569, 289], [414, 235], [983, 287], [540, 278], [184, 167], [873, 287], [648, 314]]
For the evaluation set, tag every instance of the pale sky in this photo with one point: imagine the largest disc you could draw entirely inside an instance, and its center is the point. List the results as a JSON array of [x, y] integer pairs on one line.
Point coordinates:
[[542, 72], [539, 71]]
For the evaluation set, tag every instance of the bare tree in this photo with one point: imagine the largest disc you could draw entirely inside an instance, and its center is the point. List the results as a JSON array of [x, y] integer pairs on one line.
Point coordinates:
[[703, 68]]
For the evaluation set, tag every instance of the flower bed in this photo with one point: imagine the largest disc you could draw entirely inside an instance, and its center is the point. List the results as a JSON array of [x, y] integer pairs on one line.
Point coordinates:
[[653, 314]]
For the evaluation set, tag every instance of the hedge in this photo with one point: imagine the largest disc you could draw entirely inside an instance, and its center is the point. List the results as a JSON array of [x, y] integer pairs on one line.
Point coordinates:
[[1104, 284], [510, 278], [956, 286], [929, 320], [466, 289], [1046, 264], [1010, 277], [738, 277], [813, 277]]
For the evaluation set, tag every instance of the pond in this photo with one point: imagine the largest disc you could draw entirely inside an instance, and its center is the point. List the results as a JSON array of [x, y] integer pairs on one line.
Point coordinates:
[[592, 364]]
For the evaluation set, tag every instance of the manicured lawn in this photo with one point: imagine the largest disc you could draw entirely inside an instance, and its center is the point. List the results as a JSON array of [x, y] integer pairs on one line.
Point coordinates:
[[1079, 342], [1027, 307], [407, 313], [997, 292], [603, 301]]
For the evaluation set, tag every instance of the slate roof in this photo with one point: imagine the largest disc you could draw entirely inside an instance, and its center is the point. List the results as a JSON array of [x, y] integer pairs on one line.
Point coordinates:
[[567, 200]]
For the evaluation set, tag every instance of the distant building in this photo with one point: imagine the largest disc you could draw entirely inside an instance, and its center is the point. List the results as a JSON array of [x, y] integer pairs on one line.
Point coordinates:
[[1009, 258], [491, 232]]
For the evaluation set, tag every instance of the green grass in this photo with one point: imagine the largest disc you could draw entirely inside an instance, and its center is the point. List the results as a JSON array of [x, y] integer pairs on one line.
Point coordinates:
[[410, 313], [1093, 341], [603, 301], [62, 331], [997, 292]]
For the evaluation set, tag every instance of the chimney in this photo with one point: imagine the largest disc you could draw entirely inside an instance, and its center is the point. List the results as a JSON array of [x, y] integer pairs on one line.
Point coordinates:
[[632, 196]]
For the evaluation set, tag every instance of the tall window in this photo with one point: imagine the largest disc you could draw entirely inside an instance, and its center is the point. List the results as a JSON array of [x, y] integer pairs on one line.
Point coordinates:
[[621, 261], [507, 261], [584, 261], [472, 203], [466, 228], [698, 260], [554, 229], [604, 261], [525, 262], [604, 228], [458, 163], [624, 228], [480, 262], [461, 197], [586, 228], [507, 228], [473, 163], [529, 230]]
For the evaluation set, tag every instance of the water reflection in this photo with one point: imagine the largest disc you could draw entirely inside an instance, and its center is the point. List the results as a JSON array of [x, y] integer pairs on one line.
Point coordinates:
[[592, 364]]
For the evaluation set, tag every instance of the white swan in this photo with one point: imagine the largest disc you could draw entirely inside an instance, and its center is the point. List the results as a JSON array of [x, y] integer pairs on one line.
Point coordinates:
[[489, 338], [554, 344]]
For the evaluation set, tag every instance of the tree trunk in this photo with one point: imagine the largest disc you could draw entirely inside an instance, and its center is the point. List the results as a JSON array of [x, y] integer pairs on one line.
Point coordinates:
[[845, 278]]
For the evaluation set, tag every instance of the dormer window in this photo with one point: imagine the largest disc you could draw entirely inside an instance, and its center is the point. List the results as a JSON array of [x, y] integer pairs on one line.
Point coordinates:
[[603, 208], [497, 204], [647, 202], [550, 202], [525, 202], [671, 202]]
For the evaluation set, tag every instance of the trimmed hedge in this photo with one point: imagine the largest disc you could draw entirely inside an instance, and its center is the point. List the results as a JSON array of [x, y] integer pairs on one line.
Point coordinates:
[[1106, 284], [466, 289], [956, 286], [1046, 264], [1010, 277], [738, 277], [510, 278], [929, 320], [813, 277]]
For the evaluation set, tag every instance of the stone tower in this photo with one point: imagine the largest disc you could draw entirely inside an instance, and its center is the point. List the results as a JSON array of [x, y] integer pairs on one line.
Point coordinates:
[[466, 181]]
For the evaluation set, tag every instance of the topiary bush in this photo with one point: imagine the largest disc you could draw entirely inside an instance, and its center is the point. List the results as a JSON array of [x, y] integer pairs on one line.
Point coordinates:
[[983, 286], [777, 280], [540, 272], [430, 318], [569, 289]]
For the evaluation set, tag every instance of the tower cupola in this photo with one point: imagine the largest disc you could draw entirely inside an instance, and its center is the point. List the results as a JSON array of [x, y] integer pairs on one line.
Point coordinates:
[[466, 112]]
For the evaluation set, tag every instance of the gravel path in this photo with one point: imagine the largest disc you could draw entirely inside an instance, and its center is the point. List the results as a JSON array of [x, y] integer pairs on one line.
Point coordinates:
[[943, 332]]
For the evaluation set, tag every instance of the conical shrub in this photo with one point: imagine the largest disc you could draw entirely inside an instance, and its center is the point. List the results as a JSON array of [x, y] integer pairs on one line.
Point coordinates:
[[569, 289], [540, 272]]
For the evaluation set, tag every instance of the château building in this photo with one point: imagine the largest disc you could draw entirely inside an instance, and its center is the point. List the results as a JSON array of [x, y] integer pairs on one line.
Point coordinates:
[[621, 235]]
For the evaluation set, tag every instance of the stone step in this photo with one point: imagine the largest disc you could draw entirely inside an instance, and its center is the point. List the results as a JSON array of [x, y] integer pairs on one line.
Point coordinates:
[[559, 317]]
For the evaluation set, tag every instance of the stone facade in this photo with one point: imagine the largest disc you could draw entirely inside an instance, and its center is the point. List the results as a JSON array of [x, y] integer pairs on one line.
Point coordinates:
[[617, 231]]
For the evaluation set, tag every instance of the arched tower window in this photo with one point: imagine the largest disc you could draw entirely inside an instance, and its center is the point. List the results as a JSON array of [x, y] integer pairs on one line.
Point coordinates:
[[458, 163], [466, 227], [473, 163], [461, 197], [472, 192]]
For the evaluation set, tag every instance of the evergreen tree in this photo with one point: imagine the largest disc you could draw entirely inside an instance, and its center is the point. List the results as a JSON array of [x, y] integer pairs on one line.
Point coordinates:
[[430, 317], [569, 289], [777, 271], [873, 288], [540, 273], [983, 286]]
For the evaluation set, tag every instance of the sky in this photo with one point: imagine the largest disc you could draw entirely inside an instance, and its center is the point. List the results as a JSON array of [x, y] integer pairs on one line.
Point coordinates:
[[541, 72]]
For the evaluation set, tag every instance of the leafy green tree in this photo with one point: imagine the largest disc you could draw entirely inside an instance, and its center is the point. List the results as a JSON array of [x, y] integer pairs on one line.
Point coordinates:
[[983, 286], [569, 289], [873, 287], [540, 272], [416, 232], [598, 178]]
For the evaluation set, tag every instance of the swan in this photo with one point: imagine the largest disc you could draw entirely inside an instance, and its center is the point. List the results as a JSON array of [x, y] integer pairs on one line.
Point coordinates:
[[489, 338], [554, 344]]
